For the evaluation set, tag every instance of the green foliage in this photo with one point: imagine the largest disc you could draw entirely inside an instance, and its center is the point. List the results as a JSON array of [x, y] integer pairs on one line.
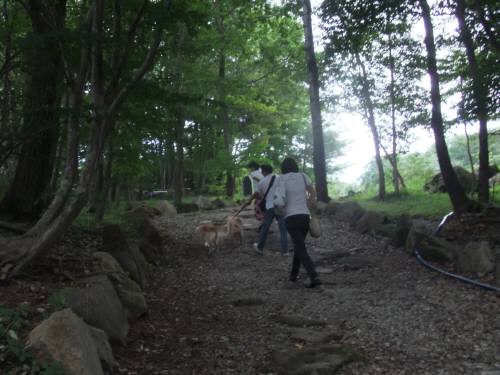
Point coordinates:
[[112, 215], [14, 359], [411, 202], [58, 301]]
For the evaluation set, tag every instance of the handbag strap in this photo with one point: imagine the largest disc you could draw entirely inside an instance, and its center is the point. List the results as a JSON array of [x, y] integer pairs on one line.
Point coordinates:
[[269, 187]]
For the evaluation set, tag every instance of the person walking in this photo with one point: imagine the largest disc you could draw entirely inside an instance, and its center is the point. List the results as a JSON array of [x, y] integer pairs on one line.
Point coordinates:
[[255, 174], [295, 186], [265, 191]]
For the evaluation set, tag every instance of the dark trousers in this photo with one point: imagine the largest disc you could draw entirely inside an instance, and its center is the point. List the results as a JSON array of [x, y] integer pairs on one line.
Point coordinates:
[[298, 226]]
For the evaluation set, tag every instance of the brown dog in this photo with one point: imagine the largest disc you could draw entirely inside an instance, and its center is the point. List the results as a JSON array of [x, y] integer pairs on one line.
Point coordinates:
[[213, 235], [235, 228]]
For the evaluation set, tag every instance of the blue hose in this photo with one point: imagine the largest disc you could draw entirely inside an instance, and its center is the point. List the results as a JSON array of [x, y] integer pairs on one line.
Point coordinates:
[[446, 273]]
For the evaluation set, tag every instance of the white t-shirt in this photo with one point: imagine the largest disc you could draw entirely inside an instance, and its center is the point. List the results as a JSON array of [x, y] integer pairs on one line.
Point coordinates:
[[255, 176], [262, 188], [295, 190]]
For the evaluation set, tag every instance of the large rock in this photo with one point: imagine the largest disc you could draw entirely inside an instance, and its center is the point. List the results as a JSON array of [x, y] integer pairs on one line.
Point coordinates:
[[477, 258], [128, 291], [166, 208], [66, 339], [319, 207], [98, 304], [370, 222], [140, 225], [187, 207], [204, 203], [396, 230], [430, 247], [126, 253], [436, 183], [219, 203], [331, 208], [142, 210], [349, 212], [104, 350]]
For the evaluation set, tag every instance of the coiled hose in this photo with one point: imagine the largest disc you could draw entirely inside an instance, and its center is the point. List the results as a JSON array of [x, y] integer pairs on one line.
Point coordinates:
[[449, 274]]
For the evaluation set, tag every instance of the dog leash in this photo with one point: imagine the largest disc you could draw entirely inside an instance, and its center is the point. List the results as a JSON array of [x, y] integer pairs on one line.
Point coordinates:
[[241, 209]]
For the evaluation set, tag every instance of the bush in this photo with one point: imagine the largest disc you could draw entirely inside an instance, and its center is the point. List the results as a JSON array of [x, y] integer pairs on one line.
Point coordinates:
[[14, 359]]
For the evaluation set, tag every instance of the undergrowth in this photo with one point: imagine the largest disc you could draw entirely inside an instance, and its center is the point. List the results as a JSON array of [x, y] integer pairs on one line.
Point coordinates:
[[14, 358]]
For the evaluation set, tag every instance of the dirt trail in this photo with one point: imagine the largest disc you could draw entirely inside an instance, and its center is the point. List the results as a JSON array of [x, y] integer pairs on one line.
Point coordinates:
[[220, 314]]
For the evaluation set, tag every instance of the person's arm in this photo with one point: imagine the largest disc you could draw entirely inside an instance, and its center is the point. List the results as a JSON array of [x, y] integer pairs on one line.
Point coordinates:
[[255, 195]]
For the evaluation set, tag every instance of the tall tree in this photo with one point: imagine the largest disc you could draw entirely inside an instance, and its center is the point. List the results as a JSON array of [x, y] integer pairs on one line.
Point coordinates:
[[456, 192], [480, 100], [369, 114], [29, 192], [317, 127]]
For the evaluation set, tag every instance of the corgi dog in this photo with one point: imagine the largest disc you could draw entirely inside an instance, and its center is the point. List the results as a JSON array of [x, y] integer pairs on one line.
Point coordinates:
[[213, 235]]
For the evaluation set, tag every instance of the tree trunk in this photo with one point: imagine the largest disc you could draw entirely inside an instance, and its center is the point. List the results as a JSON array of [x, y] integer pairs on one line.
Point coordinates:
[[480, 99], [223, 114], [314, 102], [28, 193], [7, 97], [104, 193], [179, 116], [456, 192], [469, 155], [370, 118], [395, 168], [393, 156]]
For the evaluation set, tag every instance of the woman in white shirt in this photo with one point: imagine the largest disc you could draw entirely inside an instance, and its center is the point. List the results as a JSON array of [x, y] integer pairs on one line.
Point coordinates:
[[255, 174], [297, 217]]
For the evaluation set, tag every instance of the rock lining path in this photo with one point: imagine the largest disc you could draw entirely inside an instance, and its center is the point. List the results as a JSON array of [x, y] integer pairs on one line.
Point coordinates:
[[228, 313]]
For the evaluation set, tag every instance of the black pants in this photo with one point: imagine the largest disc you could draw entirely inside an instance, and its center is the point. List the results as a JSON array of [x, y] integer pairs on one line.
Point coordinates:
[[298, 226]]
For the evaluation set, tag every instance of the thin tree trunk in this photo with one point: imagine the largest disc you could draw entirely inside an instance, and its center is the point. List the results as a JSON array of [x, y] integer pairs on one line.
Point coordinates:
[[469, 155], [319, 161], [103, 196], [179, 116], [393, 157], [394, 167], [480, 99], [456, 192], [7, 102], [223, 110], [370, 118]]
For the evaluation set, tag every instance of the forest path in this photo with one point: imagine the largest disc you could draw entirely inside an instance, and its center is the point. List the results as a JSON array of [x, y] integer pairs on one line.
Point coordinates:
[[223, 314]]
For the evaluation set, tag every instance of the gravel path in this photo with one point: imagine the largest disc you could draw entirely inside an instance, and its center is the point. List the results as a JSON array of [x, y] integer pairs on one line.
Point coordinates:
[[220, 314]]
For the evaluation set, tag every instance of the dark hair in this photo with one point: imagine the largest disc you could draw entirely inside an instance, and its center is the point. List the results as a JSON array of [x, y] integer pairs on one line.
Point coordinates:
[[289, 165], [266, 168], [253, 165]]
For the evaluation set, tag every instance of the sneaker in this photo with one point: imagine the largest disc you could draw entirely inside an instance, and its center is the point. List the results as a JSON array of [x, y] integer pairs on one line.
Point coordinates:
[[314, 283], [257, 250], [287, 254]]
